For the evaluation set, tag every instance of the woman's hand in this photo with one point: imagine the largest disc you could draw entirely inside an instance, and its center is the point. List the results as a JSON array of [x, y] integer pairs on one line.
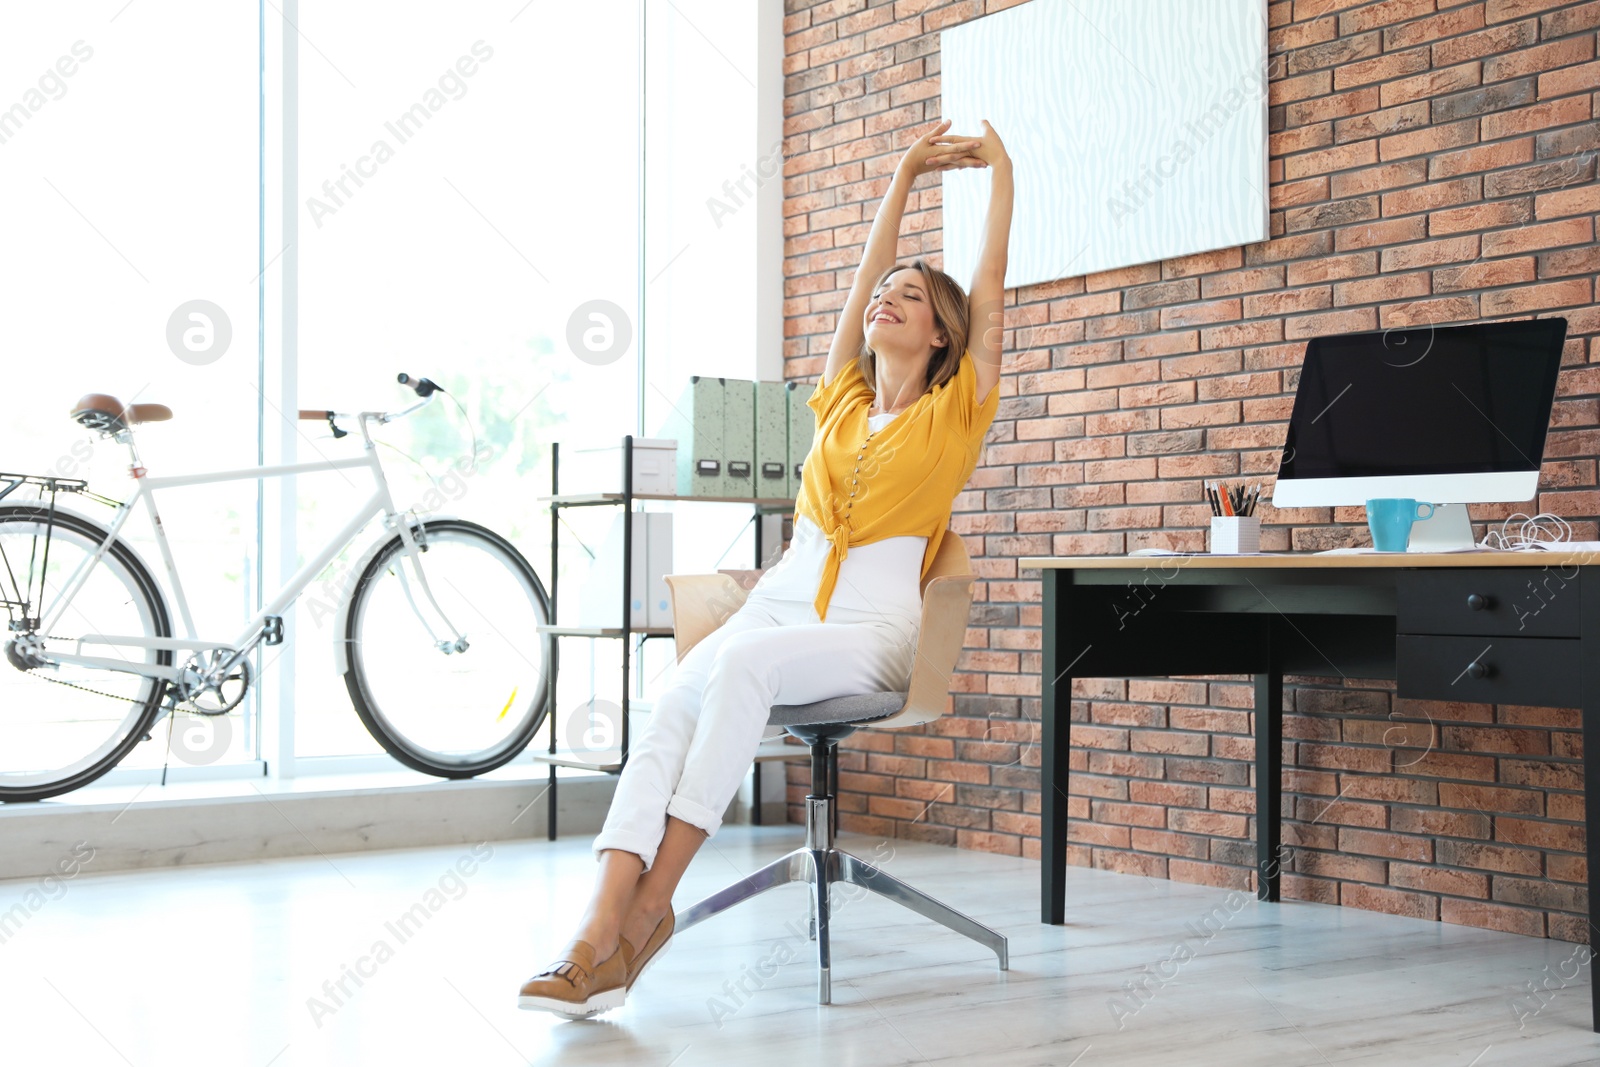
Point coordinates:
[[934, 151], [989, 147]]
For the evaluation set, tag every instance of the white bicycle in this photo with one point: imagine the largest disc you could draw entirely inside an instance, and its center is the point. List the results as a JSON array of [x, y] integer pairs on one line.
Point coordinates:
[[437, 639]]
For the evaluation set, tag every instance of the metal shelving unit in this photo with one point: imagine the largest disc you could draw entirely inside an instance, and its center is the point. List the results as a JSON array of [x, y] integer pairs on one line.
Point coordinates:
[[611, 761]]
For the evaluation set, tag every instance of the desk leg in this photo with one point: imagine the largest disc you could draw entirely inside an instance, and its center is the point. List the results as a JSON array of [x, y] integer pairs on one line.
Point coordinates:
[[1591, 813], [1269, 781], [1055, 739]]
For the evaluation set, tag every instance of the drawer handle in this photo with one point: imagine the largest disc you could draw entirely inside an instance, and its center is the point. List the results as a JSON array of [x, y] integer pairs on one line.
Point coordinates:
[[1479, 602], [1476, 669]]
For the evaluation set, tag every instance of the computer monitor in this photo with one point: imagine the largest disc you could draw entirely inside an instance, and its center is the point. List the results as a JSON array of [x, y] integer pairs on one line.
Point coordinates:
[[1451, 415]]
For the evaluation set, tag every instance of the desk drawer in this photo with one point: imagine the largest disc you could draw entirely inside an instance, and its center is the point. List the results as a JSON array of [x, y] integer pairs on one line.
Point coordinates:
[[1509, 601], [1499, 670]]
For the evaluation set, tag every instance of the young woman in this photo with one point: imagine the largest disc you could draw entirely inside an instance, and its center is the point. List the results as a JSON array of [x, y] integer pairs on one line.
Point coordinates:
[[914, 364]]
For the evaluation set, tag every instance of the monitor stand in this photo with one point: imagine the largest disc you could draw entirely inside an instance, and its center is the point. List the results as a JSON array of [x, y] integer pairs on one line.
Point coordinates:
[[1448, 529]]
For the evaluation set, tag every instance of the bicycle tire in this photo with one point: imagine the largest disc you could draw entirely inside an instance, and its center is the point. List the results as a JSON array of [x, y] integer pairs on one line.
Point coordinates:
[[154, 602], [362, 691]]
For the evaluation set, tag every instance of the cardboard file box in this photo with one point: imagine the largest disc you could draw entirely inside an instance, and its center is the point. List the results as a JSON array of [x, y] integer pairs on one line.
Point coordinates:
[[599, 470], [738, 437], [695, 423], [802, 427], [772, 439]]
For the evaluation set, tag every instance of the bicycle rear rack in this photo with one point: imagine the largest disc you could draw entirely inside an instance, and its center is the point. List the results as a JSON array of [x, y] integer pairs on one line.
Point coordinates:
[[47, 486], [10, 483]]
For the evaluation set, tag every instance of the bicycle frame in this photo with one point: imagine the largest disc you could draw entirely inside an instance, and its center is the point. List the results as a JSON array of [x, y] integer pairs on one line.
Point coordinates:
[[261, 625]]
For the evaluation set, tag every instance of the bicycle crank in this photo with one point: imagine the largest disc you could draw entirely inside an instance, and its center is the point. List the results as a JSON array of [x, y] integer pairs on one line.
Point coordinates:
[[213, 689]]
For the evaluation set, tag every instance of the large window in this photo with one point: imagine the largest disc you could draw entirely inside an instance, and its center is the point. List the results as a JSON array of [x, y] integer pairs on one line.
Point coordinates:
[[466, 206], [469, 196], [129, 164]]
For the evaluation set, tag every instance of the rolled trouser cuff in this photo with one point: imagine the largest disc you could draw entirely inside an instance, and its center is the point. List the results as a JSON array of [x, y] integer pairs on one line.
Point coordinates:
[[694, 814], [627, 841]]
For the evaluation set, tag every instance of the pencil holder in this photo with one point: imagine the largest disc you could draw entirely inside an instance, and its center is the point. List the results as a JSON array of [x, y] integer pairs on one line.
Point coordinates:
[[1233, 535]]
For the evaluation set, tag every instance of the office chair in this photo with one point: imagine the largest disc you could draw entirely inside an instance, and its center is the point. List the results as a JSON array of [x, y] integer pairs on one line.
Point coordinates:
[[700, 604]]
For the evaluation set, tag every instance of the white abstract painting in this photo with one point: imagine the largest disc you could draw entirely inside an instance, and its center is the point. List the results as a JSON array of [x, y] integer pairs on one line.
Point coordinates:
[[1137, 131]]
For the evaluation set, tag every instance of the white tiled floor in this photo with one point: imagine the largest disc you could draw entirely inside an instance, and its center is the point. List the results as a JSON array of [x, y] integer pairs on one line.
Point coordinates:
[[225, 965]]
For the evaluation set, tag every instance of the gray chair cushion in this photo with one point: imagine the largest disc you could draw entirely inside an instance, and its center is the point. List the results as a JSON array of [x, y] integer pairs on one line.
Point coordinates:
[[859, 707]]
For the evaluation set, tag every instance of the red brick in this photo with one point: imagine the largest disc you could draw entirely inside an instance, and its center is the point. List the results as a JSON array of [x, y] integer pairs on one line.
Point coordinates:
[[1433, 139], [1392, 901], [1516, 211], [1351, 321], [1492, 916], [1543, 57], [1445, 24], [1378, 290], [1489, 157], [1571, 80], [1487, 42], [1578, 231], [1436, 82], [1430, 253], [1382, 68], [1423, 312], [1531, 298], [1329, 160], [1539, 116], [1484, 275]]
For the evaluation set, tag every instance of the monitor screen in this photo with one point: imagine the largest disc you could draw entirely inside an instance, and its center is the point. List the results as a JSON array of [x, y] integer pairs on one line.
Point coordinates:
[[1431, 400]]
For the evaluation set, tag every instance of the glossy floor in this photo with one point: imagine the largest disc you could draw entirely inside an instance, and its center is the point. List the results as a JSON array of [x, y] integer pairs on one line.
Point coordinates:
[[415, 956]]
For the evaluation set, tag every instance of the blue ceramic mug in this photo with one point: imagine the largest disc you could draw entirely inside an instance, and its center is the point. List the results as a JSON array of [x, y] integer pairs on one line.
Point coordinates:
[[1390, 521]]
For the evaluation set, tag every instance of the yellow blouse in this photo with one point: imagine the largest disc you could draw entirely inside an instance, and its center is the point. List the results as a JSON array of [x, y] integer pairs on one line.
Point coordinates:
[[861, 486]]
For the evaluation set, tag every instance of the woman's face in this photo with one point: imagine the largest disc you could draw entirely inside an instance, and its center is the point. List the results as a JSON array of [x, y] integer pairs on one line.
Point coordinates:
[[900, 310]]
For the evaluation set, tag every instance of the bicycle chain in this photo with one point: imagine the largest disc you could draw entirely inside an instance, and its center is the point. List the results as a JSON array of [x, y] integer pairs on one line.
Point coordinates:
[[176, 705], [84, 688]]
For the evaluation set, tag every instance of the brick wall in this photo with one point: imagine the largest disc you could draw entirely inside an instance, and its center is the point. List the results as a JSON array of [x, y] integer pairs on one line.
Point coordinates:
[[1431, 162]]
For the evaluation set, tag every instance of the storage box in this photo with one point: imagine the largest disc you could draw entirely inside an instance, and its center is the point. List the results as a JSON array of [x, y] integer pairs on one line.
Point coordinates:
[[658, 564], [695, 422], [599, 470], [601, 587], [738, 437], [802, 427], [772, 440]]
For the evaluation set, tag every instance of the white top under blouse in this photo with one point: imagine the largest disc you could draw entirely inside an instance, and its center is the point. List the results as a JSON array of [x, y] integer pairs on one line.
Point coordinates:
[[884, 576]]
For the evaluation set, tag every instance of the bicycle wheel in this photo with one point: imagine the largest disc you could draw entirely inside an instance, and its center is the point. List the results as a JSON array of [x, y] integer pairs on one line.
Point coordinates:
[[64, 725], [453, 712]]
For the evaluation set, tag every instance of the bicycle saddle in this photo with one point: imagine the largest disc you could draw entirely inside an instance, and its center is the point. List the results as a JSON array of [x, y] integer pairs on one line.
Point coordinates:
[[107, 414]]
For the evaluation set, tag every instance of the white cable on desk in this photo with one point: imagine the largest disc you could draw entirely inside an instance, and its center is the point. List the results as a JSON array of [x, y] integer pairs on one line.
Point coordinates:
[[1535, 531]]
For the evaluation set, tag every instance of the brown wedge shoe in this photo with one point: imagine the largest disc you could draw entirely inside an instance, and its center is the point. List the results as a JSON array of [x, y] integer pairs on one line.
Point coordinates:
[[575, 985], [639, 962]]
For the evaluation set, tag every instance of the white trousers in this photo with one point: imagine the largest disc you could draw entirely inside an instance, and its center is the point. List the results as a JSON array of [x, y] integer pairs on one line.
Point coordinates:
[[700, 739]]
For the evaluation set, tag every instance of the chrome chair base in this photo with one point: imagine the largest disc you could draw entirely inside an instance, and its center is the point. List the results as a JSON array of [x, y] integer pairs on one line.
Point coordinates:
[[819, 864]]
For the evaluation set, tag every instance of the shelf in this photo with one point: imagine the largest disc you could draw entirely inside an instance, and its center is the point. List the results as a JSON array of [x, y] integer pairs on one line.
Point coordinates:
[[603, 631], [605, 760], [571, 500], [609, 760]]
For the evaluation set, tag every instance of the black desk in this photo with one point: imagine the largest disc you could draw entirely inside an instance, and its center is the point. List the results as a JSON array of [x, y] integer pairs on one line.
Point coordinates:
[[1501, 628]]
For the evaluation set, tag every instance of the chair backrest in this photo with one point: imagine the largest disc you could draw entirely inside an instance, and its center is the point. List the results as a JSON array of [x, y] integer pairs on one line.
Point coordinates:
[[703, 602], [951, 558]]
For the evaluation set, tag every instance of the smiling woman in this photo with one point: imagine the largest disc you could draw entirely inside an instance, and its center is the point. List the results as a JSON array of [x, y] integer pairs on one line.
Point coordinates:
[[902, 339]]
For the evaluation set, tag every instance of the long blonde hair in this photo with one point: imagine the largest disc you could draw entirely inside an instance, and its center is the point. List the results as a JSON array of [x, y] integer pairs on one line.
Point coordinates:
[[950, 314]]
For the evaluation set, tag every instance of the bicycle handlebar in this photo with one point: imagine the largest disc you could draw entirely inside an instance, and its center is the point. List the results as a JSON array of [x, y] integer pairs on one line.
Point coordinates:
[[421, 386]]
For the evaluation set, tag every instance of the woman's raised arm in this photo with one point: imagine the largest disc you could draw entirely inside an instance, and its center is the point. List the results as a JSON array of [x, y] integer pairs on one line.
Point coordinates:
[[986, 296], [929, 152]]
